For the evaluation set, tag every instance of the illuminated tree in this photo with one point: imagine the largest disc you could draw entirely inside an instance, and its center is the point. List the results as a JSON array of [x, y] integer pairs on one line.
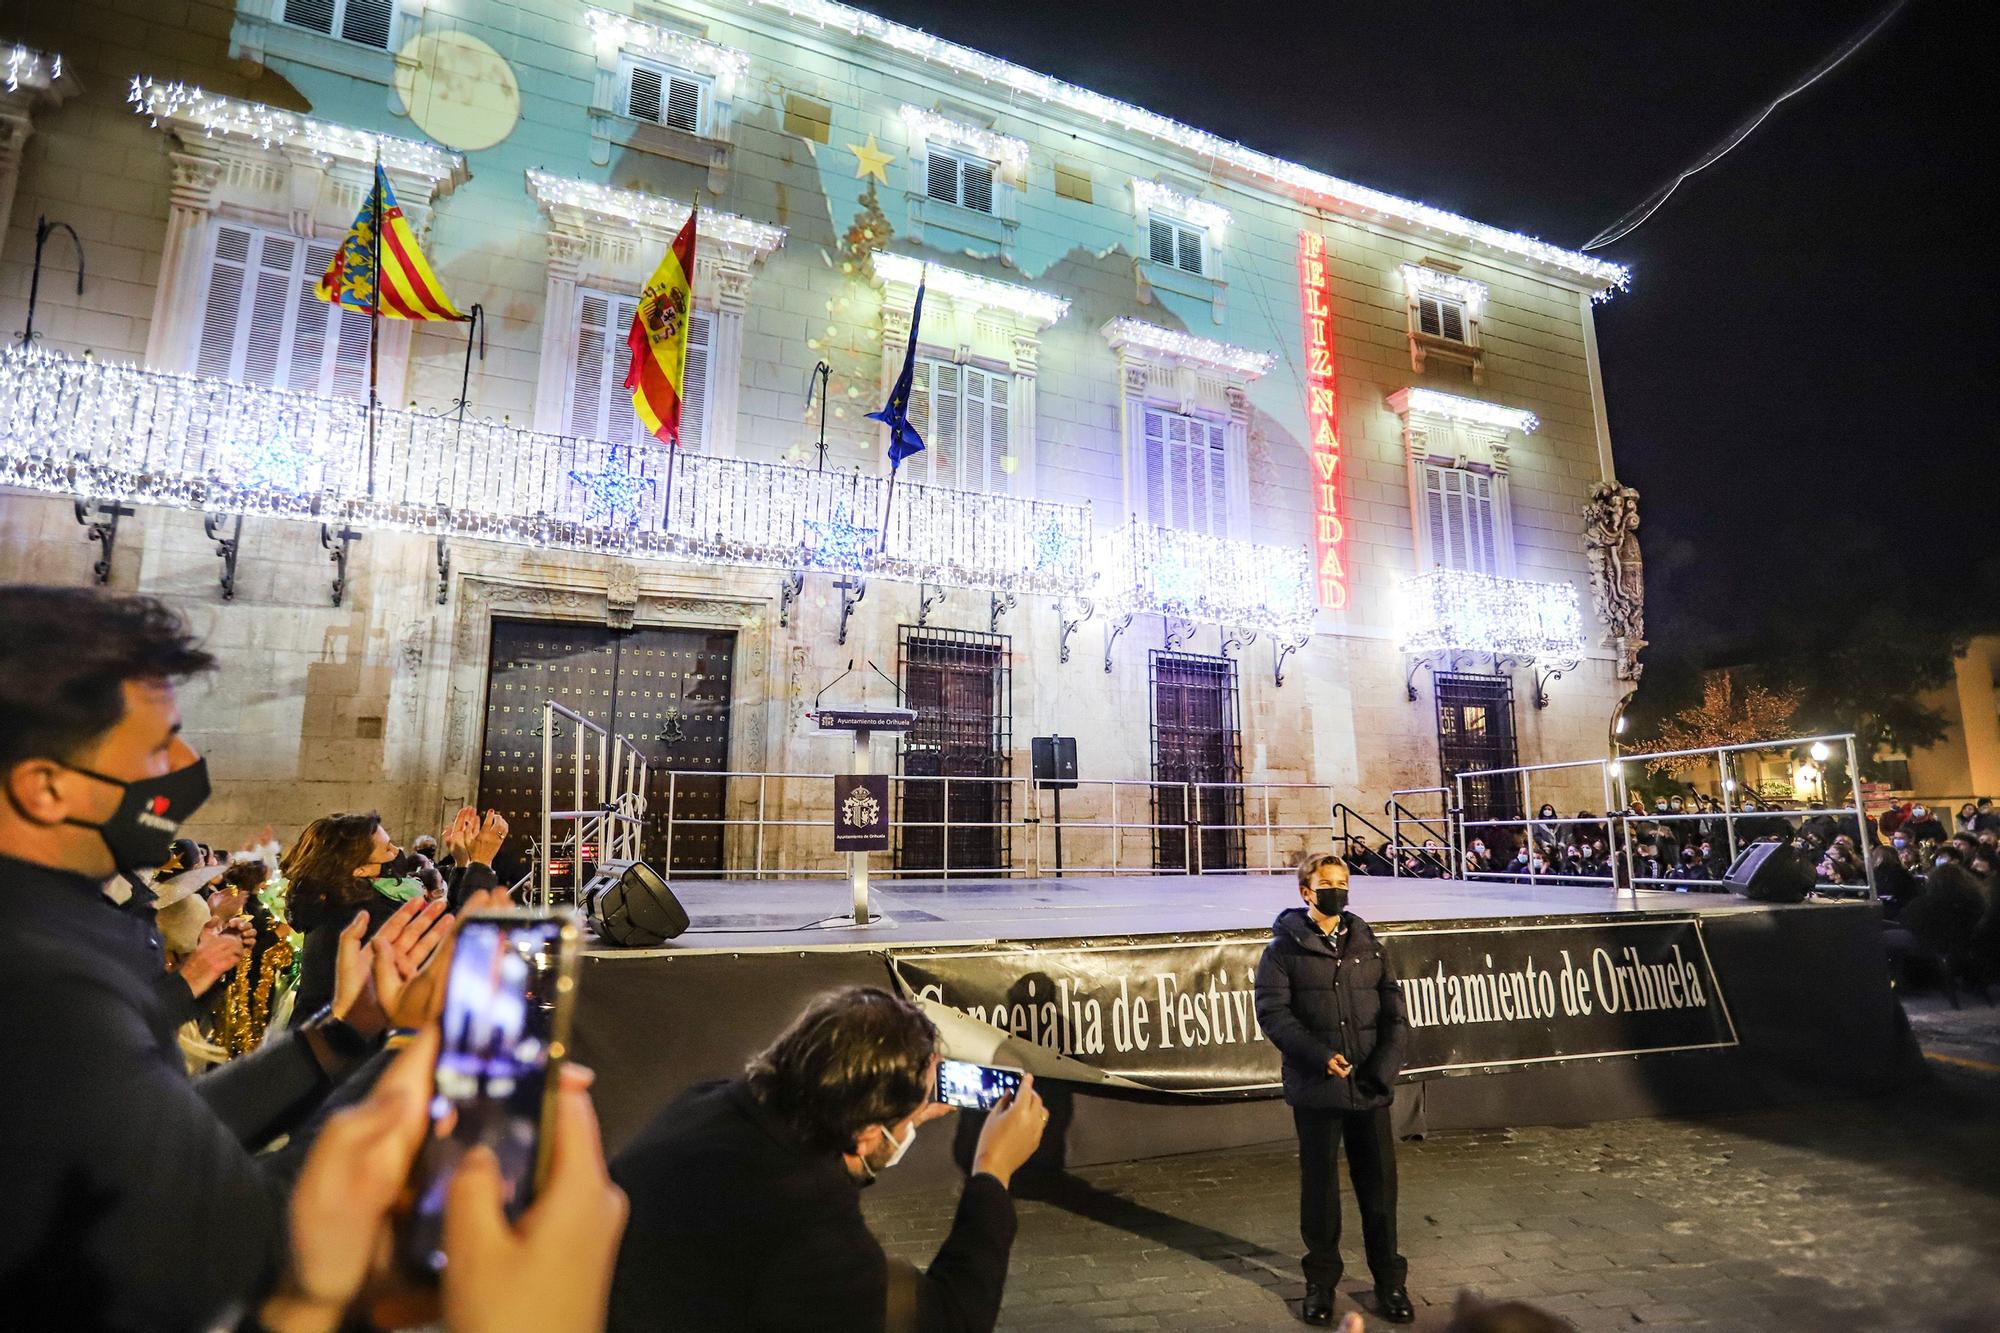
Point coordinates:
[[1725, 716]]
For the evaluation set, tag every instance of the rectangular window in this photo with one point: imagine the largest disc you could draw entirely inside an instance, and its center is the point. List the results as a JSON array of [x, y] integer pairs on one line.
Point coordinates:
[[664, 96], [1187, 473], [1463, 531], [1441, 318], [965, 181], [261, 323], [365, 22], [1178, 244], [600, 406], [962, 413]]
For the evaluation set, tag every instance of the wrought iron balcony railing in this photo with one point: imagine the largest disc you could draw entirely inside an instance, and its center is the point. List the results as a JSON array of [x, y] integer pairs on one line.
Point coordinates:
[[99, 430], [1454, 610]]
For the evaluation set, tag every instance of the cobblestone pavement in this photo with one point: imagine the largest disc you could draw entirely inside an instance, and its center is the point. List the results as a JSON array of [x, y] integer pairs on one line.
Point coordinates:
[[1845, 1215]]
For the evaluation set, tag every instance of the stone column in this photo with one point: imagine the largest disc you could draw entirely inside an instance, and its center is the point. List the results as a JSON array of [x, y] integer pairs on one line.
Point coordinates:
[[1025, 362], [175, 331], [558, 353]]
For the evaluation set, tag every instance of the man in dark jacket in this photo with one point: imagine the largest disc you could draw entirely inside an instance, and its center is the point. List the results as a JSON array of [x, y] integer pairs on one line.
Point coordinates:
[[133, 1198], [746, 1193], [1328, 998]]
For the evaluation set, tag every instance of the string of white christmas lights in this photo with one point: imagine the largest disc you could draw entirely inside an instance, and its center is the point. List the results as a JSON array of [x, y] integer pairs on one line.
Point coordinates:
[[1156, 196], [30, 69], [1435, 282], [987, 293], [696, 54], [1434, 403], [1126, 331], [1456, 610], [635, 208], [992, 145], [190, 107], [1319, 186]]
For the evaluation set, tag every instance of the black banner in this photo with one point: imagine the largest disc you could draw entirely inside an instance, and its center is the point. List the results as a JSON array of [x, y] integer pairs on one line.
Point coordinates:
[[861, 812], [1182, 1018]]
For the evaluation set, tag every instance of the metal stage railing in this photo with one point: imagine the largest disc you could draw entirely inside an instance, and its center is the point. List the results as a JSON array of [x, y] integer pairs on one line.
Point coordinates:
[[1442, 842], [609, 830], [788, 833], [1618, 819]]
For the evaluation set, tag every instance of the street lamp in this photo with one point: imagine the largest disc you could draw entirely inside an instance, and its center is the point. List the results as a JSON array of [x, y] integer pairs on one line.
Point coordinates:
[[1819, 752]]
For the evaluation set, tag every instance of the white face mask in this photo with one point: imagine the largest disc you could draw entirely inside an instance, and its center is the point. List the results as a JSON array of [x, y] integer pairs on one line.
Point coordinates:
[[902, 1146]]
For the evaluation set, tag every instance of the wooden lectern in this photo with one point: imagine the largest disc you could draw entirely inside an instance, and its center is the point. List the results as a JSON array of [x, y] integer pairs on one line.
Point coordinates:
[[863, 723]]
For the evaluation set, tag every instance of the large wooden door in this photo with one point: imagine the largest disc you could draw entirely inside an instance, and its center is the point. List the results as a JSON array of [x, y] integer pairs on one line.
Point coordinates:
[[1197, 753], [958, 683], [665, 690]]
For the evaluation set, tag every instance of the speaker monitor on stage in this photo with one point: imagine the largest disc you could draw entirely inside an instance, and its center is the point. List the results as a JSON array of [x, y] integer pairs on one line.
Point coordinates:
[[1771, 872], [1054, 760], [627, 903]]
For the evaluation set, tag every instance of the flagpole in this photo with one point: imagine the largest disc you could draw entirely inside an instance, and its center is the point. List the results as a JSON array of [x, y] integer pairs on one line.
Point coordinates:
[[673, 449], [887, 504], [374, 307]]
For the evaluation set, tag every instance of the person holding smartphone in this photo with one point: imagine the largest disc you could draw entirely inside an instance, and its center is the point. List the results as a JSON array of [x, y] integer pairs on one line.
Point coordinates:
[[1328, 998], [746, 1193]]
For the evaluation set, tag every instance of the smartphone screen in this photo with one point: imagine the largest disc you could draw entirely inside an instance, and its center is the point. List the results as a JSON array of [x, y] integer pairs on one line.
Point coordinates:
[[975, 1087], [505, 1022]]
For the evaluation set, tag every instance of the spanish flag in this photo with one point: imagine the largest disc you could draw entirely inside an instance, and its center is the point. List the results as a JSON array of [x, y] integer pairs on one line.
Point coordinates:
[[659, 339], [409, 289]]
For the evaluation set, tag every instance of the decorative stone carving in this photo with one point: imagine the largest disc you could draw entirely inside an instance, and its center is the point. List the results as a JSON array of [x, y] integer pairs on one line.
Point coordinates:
[[621, 594], [1617, 576]]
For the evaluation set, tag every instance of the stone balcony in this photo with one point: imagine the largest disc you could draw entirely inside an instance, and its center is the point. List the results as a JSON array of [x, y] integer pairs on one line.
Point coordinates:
[[95, 430]]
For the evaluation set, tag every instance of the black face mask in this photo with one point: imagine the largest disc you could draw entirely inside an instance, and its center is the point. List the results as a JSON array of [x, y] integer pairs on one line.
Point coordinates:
[[1330, 902], [140, 832]]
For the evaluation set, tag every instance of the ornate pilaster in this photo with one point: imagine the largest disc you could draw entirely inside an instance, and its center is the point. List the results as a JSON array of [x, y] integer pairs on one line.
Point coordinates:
[[192, 198]]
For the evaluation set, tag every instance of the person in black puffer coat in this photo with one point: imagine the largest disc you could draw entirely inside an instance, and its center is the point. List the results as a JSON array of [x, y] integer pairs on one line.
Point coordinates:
[[1328, 998]]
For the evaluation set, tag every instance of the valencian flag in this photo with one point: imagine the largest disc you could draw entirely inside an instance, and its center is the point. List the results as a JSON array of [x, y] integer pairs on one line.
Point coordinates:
[[409, 289], [659, 339], [895, 414]]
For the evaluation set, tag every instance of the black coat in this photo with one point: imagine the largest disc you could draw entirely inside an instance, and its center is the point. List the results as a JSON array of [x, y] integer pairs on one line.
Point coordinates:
[[1313, 1003], [736, 1225]]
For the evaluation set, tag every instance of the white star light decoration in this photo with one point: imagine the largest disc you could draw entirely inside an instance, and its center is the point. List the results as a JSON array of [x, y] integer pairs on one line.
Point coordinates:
[[612, 493], [840, 543], [274, 460], [1056, 547]]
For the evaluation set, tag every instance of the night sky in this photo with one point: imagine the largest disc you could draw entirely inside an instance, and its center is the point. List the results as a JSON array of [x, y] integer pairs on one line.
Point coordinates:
[[1798, 380]]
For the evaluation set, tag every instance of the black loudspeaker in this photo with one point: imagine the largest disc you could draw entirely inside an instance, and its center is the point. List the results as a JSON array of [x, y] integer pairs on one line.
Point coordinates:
[[1054, 760], [1771, 872], [627, 903]]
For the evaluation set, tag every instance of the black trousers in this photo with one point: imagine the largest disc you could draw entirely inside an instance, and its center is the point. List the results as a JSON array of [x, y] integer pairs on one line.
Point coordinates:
[[1371, 1163]]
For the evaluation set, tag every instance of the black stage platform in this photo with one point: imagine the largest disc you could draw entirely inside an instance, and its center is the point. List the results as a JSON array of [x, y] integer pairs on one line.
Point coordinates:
[[1807, 995]]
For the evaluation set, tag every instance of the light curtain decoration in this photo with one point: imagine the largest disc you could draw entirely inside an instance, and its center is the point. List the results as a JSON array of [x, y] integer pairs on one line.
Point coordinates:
[[97, 430], [1456, 610]]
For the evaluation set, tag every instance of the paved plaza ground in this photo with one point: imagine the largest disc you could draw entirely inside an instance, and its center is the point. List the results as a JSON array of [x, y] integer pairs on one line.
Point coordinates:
[[1846, 1215]]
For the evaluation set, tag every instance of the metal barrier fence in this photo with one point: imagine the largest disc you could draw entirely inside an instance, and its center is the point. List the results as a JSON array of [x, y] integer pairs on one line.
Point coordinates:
[[609, 830], [1618, 819], [783, 817]]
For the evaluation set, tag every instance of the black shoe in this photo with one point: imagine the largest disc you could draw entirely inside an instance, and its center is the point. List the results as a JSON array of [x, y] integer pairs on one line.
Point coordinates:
[[1395, 1303], [1318, 1306]]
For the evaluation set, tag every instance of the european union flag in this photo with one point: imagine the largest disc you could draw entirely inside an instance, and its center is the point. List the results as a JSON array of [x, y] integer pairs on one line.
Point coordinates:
[[895, 414]]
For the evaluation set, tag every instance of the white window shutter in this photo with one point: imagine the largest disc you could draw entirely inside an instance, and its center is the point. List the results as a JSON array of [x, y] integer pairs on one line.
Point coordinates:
[[314, 14], [621, 419], [999, 406], [942, 178], [683, 105], [264, 352], [1454, 320], [1190, 250], [1180, 501], [368, 22], [694, 381], [216, 356], [1218, 483], [1429, 320], [1486, 543], [1440, 543], [312, 322], [1160, 240], [350, 358], [1157, 463], [642, 94], [978, 193], [947, 403], [919, 407], [586, 400]]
